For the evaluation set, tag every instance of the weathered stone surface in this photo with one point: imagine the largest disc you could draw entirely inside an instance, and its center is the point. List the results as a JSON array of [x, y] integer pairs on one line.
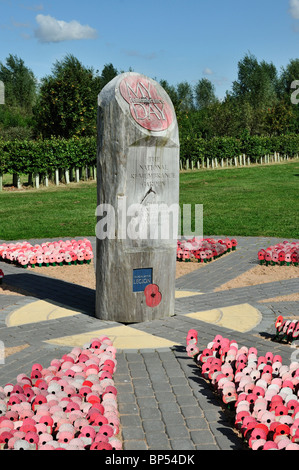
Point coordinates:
[[138, 163]]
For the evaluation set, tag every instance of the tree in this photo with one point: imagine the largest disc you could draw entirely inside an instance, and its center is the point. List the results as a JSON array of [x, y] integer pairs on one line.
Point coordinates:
[[205, 94], [67, 104], [16, 115], [172, 93], [108, 73], [256, 92], [288, 92], [185, 96], [279, 119], [20, 84], [288, 75], [257, 82]]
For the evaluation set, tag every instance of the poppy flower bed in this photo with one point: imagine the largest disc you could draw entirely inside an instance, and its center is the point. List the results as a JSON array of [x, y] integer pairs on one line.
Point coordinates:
[[282, 254], [71, 405], [260, 391], [204, 250], [286, 330], [57, 253]]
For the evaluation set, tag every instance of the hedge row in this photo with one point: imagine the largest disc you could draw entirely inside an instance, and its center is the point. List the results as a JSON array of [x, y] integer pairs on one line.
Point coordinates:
[[43, 156], [254, 147]]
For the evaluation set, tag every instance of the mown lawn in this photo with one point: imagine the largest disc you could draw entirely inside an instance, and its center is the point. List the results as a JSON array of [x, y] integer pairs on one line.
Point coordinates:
[[66, 211], [255, 201]]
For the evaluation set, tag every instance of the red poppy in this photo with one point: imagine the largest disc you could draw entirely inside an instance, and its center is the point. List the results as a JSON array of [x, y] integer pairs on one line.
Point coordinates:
[[152, 294], [279, 321], [261, 255], [281, 256]]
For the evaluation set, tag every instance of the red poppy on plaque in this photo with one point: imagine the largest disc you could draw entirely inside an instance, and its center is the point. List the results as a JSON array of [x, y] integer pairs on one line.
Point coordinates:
[[152, 295], [148, 107]]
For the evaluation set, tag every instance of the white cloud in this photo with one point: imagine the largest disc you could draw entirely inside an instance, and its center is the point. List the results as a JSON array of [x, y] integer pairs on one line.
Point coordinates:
[[208, 71], [52, 30], [294, 9]]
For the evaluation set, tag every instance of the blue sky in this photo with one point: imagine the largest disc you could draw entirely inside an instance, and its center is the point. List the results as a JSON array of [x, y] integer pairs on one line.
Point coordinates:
[[175, 40]]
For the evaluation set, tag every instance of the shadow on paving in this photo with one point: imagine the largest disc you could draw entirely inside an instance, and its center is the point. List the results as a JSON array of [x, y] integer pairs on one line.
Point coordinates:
[[219, 417], [69, 295]]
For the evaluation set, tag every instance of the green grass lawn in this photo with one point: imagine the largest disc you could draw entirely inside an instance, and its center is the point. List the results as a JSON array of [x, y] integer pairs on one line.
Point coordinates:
[[66, 211], [254, 201]]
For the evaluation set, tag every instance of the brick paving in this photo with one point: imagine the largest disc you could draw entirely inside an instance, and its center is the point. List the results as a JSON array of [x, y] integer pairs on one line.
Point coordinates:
[[163, 402]]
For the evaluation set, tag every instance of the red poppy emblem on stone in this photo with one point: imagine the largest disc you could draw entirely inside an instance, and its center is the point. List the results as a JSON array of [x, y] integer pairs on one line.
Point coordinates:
[[148, 108], [152, 295]]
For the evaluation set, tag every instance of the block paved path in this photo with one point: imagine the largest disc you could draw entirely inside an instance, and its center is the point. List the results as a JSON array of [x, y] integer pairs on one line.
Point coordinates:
[[163, 402]]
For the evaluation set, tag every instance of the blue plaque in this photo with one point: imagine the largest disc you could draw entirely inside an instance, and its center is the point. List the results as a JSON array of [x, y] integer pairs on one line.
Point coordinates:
[[142, 278]]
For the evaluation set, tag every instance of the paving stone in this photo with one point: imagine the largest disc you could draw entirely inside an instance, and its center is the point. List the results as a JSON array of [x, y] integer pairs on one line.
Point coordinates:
[[201, 437], [158, 441], [133, 433], [153, 425], [135, 445], [126, 397], [130, 421], [208, 447], [197, 423], [181, 444], [150, 413], [128, 409], [177, 431], [161, 387], [190, 411], [149, 402], [169, 407], [165, 397], [143, 391], [173, 418]]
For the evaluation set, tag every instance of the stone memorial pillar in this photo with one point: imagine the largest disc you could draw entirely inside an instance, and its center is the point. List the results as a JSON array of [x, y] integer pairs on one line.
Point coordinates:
[[138, 201]]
